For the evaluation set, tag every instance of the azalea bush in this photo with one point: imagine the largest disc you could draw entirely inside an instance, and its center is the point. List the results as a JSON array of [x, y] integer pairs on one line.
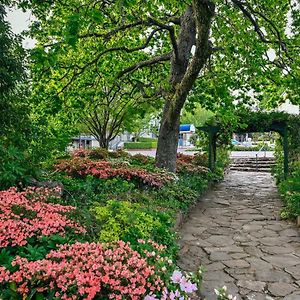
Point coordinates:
[[82, 166], [96, 271], [26, 214], [188, 164]]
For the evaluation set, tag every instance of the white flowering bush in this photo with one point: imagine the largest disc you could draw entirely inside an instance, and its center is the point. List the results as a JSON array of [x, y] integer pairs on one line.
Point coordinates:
[[222, 294]]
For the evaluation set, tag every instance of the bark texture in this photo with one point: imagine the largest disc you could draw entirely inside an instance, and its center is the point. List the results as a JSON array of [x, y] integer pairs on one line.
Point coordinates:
[[185, 67]]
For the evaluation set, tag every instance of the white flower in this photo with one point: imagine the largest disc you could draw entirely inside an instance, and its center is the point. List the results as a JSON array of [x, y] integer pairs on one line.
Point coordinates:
[[224, 288], [217, 292]]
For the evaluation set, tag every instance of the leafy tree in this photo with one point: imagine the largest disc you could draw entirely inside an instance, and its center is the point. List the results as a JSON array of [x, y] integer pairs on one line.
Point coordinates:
[[107, 111], [169, 45], [11, 75], [14, 118], [195, 115], [26, 135]]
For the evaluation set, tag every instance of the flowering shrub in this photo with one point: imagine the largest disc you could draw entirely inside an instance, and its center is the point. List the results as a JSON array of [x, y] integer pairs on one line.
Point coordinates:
[[99, 153], [78, 167], [26, 214], [189, 164], [90, 270], [223, 295], [80, 153]]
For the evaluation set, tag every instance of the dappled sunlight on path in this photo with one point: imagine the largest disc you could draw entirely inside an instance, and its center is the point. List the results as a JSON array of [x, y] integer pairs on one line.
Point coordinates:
[[236, 233]]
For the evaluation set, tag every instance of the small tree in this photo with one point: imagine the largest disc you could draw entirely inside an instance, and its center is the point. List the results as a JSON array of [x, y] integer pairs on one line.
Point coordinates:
[[106, 111]]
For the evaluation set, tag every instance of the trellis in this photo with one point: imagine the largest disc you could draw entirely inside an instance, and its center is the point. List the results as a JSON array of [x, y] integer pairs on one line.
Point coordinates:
[[259, 125]]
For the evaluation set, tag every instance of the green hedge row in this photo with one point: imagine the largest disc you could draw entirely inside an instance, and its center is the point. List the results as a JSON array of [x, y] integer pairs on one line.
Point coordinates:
[[147, 139], [254, 148], [140, 145]]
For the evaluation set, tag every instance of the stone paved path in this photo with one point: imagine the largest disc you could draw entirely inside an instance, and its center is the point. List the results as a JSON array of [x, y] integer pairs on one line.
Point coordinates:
[[236, 234]]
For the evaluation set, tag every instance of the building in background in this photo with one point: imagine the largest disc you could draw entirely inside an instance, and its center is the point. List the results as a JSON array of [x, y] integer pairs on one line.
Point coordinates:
[[186, 131], [289, 108]]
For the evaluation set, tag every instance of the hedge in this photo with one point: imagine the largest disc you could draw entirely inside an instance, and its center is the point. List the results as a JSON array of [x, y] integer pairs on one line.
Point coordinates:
[[147, 139], [140, 145], [254, 148]]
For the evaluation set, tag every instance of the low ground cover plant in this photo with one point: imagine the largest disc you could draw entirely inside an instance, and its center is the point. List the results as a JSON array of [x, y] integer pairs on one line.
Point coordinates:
[[290, 190]]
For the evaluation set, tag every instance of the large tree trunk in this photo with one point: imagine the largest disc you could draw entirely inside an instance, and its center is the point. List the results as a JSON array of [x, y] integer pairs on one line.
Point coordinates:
[[195, 29], [168, 139]]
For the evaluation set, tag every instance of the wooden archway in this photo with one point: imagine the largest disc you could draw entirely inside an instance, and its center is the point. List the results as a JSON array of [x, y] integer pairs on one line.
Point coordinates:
[[280, 126]]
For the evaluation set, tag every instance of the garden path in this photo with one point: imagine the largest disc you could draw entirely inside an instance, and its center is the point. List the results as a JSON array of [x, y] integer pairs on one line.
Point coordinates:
[[236, 234]]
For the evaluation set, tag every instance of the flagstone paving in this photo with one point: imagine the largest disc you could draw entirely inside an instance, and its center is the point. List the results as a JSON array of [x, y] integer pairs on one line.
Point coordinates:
[[235, 232]]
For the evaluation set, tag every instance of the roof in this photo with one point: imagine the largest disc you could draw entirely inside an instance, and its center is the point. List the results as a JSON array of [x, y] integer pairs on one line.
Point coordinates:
[[84, 138], [187, 128]]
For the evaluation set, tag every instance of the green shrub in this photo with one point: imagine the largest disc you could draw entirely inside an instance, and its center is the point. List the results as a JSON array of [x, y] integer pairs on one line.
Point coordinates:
[[253, 148], [98, 153], [142, 160], [146, 139], [194, 182], [83, 192], [17, 166], [131, 222], [290, 191], [118, 154], [175, 197], [201, 159], [140, 145]]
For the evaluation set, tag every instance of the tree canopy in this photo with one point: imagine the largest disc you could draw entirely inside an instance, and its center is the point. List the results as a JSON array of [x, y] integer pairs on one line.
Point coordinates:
[[228, 50]]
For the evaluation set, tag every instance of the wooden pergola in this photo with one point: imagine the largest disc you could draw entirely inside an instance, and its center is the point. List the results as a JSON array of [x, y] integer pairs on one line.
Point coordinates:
[[279, 126]]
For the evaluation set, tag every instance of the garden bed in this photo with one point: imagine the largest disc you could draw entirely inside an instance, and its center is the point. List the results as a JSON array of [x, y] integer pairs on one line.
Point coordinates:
[[106, 232]]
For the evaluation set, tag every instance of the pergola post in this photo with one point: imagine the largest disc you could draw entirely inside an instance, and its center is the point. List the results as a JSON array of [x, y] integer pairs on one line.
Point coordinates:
[[285, 152], [212, 146], [210, 151]]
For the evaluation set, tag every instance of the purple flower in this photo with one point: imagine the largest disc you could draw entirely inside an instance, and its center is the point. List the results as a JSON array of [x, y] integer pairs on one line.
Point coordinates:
[[150, 297], [187, 286], [176, 277]]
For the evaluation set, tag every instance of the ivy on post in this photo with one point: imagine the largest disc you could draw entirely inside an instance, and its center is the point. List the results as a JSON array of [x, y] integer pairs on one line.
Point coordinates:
[[286, 152], [212, 132]]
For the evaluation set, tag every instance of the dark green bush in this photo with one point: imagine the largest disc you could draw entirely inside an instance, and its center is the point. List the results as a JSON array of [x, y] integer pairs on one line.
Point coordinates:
[[98, 153], [290, 191], [146, 139], [118, 154]]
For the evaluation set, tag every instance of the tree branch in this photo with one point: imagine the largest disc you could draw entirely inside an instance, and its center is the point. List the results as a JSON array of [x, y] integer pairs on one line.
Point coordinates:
[[145, 63], [171, 33]]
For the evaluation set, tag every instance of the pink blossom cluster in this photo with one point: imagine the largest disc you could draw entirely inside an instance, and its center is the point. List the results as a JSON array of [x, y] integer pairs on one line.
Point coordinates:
[[87, 270], [78, 166], [26, 214]]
